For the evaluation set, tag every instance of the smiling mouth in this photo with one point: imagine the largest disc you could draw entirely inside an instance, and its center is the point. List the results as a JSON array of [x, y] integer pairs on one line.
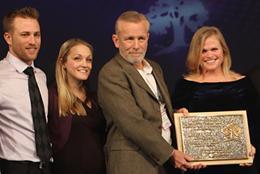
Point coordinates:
[[211, 60], [31, 49], [83, 70]]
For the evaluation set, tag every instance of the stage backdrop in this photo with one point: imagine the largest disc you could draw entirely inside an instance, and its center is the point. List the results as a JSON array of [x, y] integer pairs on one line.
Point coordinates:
[[173, 24]]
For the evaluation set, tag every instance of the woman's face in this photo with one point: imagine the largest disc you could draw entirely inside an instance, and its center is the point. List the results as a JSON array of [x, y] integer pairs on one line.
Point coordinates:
[[212, 55], [79, 63]]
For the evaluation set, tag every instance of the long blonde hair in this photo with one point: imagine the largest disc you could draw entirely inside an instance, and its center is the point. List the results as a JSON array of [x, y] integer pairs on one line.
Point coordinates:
[[68, 103], [196, 47]]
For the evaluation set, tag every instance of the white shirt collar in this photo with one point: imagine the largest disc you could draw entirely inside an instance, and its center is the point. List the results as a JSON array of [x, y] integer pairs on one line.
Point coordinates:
[[19, 65], [147, 67]]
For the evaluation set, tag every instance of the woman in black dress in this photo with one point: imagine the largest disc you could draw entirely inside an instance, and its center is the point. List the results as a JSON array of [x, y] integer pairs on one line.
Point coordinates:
[[210, 85], [76, 123]]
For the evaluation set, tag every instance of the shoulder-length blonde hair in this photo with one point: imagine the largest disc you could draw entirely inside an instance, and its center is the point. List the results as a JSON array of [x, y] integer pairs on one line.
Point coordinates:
[[68, 103], [196, 47]]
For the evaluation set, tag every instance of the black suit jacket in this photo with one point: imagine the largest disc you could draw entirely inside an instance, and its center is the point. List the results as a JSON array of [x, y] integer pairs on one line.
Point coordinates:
[[254, 76]]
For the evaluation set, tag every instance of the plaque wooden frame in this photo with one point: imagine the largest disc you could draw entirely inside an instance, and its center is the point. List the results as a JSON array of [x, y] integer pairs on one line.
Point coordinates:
[[180, 135]]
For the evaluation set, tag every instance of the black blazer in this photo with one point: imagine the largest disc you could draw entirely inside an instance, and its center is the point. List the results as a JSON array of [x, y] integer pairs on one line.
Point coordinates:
[[254, 76]]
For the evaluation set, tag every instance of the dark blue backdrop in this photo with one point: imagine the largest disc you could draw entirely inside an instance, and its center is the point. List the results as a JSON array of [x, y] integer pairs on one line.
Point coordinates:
[[173, 23]]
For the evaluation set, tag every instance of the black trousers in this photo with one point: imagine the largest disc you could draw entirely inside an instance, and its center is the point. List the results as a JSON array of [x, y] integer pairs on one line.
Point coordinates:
[[23, 167]]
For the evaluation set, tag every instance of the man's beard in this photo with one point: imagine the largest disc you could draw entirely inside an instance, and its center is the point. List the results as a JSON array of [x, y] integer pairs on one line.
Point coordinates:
[[134, 60]]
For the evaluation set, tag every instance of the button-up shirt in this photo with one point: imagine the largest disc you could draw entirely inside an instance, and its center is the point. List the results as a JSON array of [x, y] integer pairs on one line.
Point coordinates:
[[148, 77], [17, 140]]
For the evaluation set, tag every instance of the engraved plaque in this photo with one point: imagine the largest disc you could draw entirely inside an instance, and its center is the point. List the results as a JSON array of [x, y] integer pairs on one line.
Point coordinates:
[[214, 138]]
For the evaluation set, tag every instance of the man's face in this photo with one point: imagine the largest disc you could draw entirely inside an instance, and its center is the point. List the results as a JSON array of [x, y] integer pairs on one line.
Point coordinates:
[[132, 40], [24, 39]]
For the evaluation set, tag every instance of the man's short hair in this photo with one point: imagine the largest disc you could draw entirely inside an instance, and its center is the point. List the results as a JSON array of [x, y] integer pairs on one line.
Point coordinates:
[[131, 16], [25, 12]]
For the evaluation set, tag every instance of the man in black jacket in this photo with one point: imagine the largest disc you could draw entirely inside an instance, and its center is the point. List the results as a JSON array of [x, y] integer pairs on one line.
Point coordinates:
[[254, 76]]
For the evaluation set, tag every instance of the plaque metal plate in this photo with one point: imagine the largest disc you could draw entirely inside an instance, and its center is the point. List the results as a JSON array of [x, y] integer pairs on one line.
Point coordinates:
[[214, 138]]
